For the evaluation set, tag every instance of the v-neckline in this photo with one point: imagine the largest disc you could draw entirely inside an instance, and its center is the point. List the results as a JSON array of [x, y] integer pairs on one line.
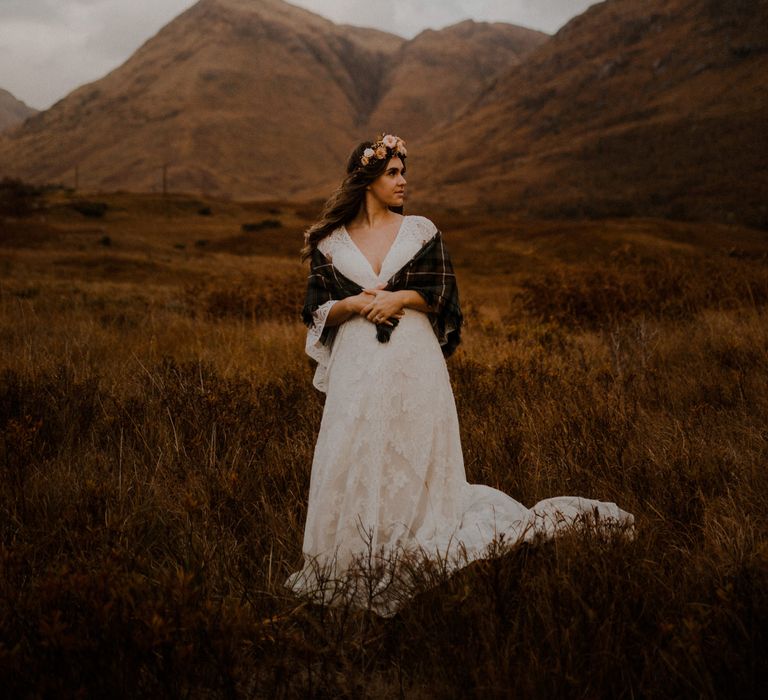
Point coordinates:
[[384, 259]]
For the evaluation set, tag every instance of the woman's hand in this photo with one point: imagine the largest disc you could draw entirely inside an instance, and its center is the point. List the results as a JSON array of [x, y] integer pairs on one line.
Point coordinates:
[[346, 308], [384, 305], [358, 302]]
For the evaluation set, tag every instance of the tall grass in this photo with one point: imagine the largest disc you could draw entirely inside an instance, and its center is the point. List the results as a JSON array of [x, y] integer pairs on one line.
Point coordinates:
[[155, 454]]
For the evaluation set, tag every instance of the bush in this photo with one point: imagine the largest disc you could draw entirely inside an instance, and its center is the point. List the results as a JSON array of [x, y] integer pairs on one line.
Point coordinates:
[[18, 198], [95, 210], [588, 296], [270, 298], [261, 225]]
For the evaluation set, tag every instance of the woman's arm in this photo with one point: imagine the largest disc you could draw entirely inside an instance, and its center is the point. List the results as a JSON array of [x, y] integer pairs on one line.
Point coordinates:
[[385, 303], [348, 307], [413, 300]]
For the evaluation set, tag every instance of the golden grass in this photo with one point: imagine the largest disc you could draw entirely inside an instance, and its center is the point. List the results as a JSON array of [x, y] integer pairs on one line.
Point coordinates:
[[158, 423]]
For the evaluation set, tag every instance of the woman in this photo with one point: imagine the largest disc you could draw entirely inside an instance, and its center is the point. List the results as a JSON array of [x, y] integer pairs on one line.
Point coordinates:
[[388, 480]]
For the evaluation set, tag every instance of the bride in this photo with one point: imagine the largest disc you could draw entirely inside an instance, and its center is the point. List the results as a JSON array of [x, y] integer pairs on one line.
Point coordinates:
[[388, 481]]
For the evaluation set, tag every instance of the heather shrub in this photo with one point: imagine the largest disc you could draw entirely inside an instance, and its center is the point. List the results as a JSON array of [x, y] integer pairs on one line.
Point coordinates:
[[157, 428], [665, 288]]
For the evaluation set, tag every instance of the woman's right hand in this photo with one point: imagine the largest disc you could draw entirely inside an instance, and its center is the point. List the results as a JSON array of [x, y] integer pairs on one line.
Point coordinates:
[[358, 302], [348, 307]]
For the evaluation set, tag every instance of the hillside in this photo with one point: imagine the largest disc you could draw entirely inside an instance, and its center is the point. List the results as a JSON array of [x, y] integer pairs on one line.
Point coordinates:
[[12, 110], [244, 99], [645, 108], [439, 72]]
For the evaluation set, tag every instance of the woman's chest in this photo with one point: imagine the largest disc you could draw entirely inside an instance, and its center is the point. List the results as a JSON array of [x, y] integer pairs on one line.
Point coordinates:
[[375, 247], [350, 260]]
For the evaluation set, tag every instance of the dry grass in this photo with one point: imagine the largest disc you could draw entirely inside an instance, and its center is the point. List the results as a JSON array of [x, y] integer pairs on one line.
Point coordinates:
[[158, 422]]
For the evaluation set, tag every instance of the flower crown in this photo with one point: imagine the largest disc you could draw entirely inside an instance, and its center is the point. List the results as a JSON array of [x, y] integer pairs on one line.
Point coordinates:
[[386, 147]]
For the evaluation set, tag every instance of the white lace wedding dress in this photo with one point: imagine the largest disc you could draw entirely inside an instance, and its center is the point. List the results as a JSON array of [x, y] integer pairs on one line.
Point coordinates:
[[388, 471]]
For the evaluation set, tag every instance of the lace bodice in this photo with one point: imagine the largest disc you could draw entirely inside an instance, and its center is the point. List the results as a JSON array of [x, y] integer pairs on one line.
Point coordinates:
[[350, 261]]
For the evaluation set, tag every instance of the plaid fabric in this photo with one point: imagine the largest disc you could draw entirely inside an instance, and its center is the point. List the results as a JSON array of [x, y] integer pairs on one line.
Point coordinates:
[[429, 272]]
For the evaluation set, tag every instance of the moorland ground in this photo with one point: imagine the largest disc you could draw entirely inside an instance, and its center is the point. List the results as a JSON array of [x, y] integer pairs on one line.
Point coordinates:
[[158, 422]]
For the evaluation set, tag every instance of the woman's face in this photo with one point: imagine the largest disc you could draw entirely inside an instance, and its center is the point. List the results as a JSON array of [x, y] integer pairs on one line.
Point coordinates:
[[389, 187]]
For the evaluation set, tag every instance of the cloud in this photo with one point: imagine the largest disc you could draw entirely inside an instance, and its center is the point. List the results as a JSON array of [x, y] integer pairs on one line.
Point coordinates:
[[50, 47], [409, 17]]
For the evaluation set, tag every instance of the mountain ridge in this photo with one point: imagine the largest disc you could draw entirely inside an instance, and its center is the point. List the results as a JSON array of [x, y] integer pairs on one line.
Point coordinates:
[[13, 111], [234, 98], [654, 108]]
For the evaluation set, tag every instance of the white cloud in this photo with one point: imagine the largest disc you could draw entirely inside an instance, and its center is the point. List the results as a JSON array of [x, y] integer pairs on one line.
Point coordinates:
[[50, 47], [409, 17]]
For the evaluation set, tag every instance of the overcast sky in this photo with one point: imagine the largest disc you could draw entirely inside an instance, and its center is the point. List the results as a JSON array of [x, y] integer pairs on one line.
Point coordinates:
[[50, 47]]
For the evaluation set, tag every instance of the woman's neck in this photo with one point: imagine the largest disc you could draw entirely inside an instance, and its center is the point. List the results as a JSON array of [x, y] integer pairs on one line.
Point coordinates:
[[373, 214]]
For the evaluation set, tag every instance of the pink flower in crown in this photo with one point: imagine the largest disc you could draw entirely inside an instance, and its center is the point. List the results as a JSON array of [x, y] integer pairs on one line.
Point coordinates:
[[364, 160], [381, 152], [401, 149], [368, 153], [389, 141]]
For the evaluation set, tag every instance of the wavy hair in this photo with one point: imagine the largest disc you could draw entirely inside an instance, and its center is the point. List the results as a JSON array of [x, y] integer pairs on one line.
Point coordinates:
[[345, 202]]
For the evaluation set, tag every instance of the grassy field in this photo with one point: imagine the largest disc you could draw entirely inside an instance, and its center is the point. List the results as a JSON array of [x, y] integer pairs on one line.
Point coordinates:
[[158, 422]]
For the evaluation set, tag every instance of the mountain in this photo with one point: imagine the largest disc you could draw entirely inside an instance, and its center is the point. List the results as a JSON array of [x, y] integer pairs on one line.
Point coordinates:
[[635, 107], [12, 111], [249, 99], [438, 72]]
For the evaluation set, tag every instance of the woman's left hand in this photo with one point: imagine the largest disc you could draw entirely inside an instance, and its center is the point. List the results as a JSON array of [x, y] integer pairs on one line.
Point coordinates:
[[384, 305]]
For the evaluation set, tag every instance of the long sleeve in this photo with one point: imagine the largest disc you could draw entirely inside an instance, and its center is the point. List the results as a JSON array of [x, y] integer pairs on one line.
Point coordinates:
[[315, 347]]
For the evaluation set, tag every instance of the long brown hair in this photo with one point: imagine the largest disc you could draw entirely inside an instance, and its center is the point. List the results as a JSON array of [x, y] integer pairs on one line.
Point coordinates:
[[342, 206]]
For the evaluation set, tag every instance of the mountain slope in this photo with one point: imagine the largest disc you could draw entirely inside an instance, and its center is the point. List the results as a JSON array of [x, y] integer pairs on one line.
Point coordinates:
[[240, 98], [439, 72], [219, 94], [650, 107], [12, 111]]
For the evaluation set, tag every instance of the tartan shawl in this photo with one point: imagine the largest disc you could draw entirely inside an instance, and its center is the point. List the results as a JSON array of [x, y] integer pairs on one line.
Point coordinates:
[[429, 272]]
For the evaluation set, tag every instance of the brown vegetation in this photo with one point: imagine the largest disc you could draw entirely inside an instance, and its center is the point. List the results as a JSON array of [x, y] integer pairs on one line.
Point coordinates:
[[245, 99], [634, 108], [158, 423], [12, 111]]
